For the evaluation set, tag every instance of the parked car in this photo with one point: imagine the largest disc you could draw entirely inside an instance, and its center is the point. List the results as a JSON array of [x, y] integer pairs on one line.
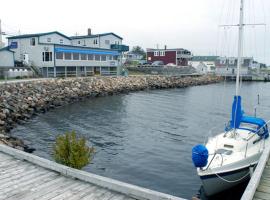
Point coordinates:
[[171, 65], [142, 62], [158, 63]]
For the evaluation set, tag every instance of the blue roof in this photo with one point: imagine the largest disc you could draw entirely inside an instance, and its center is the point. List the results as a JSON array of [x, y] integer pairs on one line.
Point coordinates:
[[86, 51], [96, 35], [38, 35]]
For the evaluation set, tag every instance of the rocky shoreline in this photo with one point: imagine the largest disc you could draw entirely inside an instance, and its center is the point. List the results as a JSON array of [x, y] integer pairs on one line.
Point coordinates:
[[21, 101]]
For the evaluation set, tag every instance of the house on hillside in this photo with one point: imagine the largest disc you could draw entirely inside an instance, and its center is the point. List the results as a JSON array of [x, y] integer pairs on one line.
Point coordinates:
[[56, 55]]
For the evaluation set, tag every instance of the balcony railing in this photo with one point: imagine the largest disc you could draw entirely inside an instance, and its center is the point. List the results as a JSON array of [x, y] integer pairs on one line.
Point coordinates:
[[120, 47]]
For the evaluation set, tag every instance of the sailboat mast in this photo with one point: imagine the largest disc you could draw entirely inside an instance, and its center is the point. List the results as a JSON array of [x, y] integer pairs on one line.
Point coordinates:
[[240, 46]]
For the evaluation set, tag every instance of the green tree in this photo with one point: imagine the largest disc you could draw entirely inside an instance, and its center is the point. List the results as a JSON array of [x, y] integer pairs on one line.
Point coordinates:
[[139, 50], [72, 151]]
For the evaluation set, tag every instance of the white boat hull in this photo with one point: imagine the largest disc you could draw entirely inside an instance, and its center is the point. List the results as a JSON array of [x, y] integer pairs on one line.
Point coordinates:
[[212, 184]]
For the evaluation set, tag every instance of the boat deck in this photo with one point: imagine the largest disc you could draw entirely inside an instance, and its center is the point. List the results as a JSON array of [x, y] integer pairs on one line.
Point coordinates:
[[26, 176]]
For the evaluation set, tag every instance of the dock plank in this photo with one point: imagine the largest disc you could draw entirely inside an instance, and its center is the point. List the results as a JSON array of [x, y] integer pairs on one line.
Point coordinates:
[[25, 176], [263, 189]]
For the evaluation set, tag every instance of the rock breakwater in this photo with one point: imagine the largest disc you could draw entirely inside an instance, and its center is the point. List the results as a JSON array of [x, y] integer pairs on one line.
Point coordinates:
[[20, 101]]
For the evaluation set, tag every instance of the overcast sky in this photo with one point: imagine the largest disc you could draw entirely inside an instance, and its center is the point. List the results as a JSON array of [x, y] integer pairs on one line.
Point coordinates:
[[191, 24]]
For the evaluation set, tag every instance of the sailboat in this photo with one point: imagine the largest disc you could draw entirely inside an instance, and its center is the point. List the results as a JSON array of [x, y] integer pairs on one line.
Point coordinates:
[[230, 157]]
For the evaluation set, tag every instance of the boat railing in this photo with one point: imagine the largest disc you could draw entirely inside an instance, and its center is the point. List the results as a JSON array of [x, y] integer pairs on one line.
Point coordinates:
[[248, 139], [215, 154]]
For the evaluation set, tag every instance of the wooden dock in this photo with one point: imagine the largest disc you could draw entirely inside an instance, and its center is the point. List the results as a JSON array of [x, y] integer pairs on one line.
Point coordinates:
[[259, 184], [26, 176]]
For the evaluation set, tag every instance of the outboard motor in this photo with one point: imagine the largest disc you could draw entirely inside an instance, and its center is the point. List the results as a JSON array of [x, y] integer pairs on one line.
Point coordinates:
[[199, 155]]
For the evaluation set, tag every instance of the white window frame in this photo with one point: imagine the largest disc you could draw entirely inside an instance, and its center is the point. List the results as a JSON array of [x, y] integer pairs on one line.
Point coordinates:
[[231, 62], [222, 62], [156, 53], [162, 53]]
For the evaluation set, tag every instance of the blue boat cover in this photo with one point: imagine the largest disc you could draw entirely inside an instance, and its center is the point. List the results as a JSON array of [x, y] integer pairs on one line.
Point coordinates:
[[238, 118]]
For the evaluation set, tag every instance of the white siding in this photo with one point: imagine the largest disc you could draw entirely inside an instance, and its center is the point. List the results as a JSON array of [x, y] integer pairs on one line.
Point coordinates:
[[34, 52], [6, 59], [54, 38], [89, 42], [82, 63]]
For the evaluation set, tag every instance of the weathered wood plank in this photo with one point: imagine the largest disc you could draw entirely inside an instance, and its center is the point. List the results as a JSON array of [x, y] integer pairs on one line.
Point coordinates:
[[95, 195], [72, 192], [263, 188], [25, 176], [87, 191], [25, 187], [15, 182], [42, 189], [60, 189], [262, 195], [118, 197], [16, 175]]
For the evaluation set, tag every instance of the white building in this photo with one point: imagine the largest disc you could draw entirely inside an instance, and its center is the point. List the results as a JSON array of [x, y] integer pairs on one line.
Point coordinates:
[[6, 58], [55, 54], [228, 66], [204, 64]]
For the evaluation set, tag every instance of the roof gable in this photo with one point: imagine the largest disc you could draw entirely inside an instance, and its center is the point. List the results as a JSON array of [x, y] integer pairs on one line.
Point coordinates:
[[38, 35], [96, 35]]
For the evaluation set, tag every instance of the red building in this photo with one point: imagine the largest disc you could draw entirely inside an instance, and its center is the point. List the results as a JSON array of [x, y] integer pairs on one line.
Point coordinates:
[[179, 57]]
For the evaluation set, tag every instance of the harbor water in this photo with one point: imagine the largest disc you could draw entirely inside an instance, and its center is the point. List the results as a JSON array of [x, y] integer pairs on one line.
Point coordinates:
[[145, 138]]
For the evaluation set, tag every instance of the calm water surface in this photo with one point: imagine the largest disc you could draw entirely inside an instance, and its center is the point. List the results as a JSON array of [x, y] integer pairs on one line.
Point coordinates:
[[145, 138]]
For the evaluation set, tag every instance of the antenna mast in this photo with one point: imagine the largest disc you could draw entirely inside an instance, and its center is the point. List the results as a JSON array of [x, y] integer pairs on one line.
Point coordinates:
[[240, 46]]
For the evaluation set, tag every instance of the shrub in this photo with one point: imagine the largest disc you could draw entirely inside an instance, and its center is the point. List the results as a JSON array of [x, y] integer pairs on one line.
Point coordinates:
[[72, 151]]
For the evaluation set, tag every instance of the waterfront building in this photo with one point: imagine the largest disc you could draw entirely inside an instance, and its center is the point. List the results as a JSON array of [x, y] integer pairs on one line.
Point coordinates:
[[204, 64], [179, 56], [54, 54], [228, 66]]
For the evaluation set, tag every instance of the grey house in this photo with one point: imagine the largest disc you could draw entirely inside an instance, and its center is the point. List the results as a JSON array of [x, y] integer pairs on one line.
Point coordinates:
[[56, 55], [228, 66]]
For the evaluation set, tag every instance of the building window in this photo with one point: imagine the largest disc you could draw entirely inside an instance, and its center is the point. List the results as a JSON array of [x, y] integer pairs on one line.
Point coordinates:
[[222, 62], [83, 57], [46, 56], [103, 58], [107, 42], [49, 39], [61, 41], [231, 62], [156, 53], [79, 42], [76, 56], [97, 57], [90, 57], [59, 55], [67, 56], [32, 41], [115, 57], [84, 43], [109, 57], [162, 53], [95, 41]]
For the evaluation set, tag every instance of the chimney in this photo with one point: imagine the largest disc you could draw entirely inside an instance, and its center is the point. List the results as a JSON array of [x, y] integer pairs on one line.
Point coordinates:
[[89, 31], [165, 47]]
